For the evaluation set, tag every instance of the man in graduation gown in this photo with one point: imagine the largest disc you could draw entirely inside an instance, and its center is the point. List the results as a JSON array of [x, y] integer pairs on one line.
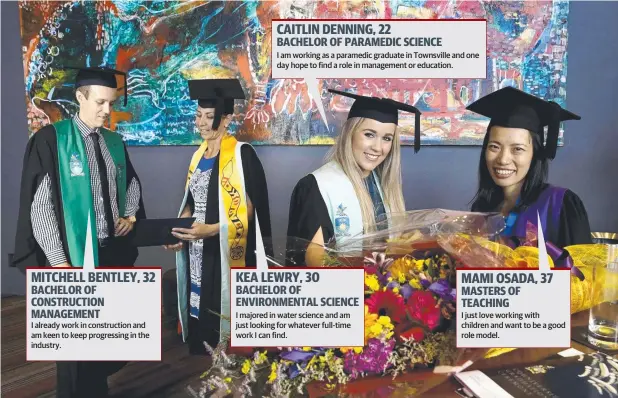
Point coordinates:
[[562, 213], [75, 169], [226, 192]]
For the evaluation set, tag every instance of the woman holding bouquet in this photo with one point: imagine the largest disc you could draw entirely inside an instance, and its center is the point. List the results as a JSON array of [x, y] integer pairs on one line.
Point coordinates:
[[226, 192], [359, 186], [514, 164]]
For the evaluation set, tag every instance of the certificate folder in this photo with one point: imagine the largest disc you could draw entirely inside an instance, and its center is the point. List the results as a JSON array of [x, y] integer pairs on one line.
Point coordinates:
[[158, 231]]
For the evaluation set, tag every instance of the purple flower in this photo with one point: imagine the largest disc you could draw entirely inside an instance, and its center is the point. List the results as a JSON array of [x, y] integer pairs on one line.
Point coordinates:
[[443, 290], [294, 370], [425, 283], [392, 285], [297, 356], [373, 359], [383, 278], [406, 291]]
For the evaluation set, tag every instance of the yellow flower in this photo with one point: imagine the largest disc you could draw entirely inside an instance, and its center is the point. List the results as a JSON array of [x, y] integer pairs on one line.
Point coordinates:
[[419, 265], [246, 366], [306, 348], [374, 325], [357, 350], [273, 372], [228, 379], [375, 329], [261, 358], [372, 282], [396, 290], [401, 268], [415, 284]]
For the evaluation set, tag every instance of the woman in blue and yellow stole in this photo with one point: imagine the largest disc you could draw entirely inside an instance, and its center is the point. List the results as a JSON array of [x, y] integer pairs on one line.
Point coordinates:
[[226, 192]]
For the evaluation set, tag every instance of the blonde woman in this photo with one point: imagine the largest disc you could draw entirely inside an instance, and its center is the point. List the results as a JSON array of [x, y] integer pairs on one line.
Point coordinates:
[[358, 187]]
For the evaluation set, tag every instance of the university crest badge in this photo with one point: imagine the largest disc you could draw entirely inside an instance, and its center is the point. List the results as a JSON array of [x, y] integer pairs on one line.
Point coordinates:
[[76, 166], [342, 222]]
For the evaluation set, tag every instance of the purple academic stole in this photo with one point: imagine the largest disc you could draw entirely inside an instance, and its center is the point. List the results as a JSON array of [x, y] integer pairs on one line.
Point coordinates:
[[548, 205]]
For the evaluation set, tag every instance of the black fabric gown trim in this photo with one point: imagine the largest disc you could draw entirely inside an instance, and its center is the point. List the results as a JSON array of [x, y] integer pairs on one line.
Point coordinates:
[[574, 224], [308, 212], [210, 290]]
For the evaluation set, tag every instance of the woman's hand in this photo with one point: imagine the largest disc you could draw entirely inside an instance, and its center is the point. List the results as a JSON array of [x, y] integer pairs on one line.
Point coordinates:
[[197, 231], [176, 247]]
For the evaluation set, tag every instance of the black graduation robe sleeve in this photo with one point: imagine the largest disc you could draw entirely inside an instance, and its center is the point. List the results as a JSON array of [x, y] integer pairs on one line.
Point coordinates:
[[131, 174], [40, 159], [574, 225], [307, 214], [257, 191]]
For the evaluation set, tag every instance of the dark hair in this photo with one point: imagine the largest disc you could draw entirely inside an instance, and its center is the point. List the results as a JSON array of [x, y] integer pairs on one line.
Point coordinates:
[[489, 195]]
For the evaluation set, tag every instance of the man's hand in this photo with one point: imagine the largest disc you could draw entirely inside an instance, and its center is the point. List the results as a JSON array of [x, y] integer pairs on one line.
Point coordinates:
[[123, 226], [63, 265], [197, 231]]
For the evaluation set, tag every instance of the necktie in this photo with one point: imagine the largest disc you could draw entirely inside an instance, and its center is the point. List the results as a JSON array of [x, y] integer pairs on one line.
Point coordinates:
[[109, 218]]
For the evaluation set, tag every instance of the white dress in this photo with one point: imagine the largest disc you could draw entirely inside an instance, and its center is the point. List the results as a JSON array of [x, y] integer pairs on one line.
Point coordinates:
[[198, 186]]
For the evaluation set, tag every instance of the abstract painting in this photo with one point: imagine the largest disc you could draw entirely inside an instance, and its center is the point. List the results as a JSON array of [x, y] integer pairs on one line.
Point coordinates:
[[162, 44]]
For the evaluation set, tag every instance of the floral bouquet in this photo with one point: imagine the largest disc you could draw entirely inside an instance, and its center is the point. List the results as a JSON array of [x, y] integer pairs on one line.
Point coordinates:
[[410, 264]]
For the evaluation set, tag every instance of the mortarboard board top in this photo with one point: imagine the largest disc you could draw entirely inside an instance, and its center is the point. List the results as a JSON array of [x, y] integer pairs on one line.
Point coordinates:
[[99, 76], [513, 108], [213, 89], [210, 92], [384, 110]]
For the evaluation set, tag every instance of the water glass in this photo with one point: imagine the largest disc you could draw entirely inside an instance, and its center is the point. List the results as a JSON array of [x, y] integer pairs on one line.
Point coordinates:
[[603, 322]]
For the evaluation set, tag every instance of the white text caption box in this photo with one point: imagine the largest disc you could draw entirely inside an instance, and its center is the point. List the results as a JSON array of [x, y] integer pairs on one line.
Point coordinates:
[[518, 309], [379, 49], [103, 315], [298, 308]]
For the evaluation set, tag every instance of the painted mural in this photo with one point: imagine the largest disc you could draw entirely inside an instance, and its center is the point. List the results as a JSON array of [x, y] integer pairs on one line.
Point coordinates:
[[163, 43]]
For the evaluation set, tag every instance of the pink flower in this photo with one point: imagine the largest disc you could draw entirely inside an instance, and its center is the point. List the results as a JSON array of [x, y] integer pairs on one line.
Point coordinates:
[[387, 303], [422, 306]]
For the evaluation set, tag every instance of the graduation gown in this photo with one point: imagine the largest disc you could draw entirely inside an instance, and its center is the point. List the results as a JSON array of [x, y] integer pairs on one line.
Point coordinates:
[[309, 210], [74, 379], [41, 158], [206, 328], [308, 213], [563, 216]]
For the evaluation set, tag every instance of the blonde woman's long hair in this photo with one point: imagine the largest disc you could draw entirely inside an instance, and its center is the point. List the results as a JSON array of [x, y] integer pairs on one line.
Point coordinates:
[[388, 173]]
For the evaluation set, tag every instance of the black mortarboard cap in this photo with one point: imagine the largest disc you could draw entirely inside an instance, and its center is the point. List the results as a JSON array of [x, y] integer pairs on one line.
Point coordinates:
[[510, 107], [99, 76], [216, 93], [384, 110]]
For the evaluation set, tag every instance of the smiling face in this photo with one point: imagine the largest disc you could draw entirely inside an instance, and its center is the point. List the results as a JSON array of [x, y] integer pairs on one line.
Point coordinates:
[[509, 155], [371, 143], [204, 118], [95, 104]]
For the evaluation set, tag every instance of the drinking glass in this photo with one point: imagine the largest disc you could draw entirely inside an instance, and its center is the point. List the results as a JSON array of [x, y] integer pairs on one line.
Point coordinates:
[[603, 322]]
